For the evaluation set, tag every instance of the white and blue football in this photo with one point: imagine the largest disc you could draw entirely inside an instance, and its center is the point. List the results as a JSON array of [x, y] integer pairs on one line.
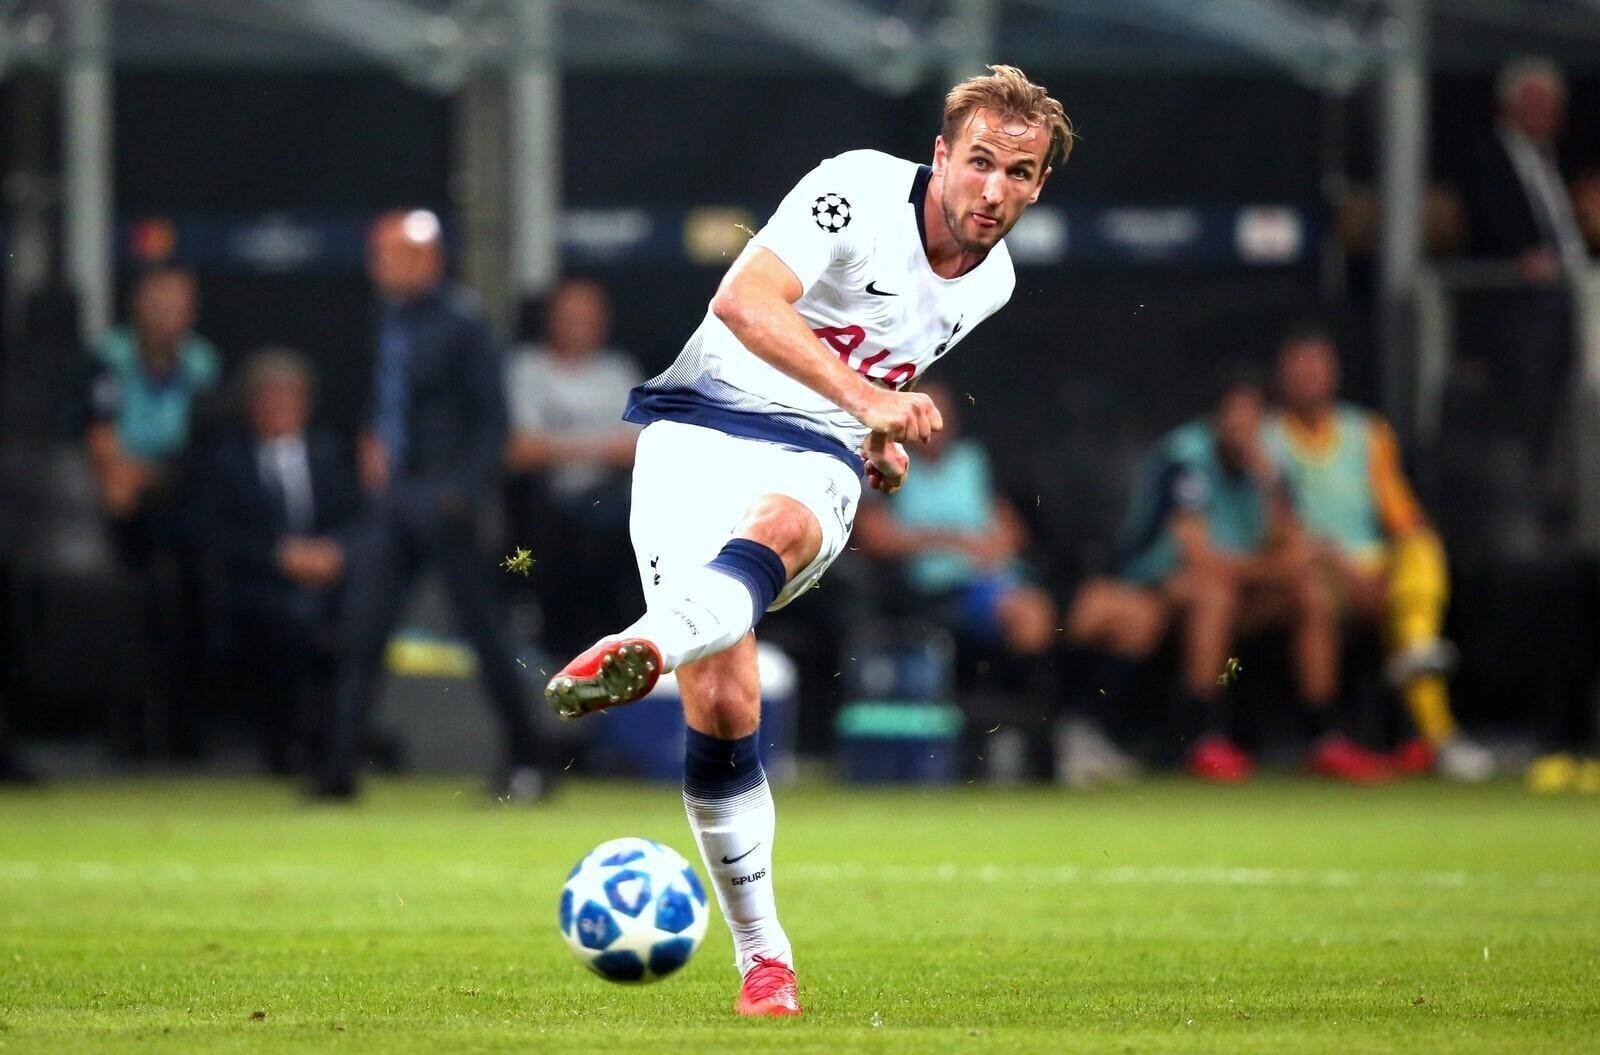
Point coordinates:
[[633, 910]]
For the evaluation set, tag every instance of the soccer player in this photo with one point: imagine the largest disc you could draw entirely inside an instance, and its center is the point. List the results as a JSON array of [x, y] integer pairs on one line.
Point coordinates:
[[1343, 466], [797, 381]]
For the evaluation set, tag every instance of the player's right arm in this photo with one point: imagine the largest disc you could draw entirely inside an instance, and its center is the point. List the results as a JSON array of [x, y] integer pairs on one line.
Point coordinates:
[[756, 303], [1398, 509]]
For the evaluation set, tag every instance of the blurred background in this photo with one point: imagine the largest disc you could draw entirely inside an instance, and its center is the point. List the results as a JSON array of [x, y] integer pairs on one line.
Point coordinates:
[[1410, 187]]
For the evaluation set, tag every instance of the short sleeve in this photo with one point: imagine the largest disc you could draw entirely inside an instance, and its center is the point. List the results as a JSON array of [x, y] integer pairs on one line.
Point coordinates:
[[816, 224], [105, 396], [204, 364], [524, 402], [1398, 507], [1187, 489]]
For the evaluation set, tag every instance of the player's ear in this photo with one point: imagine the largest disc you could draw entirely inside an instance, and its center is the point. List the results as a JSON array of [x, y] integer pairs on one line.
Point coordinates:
[[1035, 195], [941, 154]]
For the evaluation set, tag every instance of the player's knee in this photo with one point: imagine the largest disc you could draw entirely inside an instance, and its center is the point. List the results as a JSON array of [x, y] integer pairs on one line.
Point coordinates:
[[722, 693], [786, 527], [1088, 614], [726, 712], [1039, 620], [1140, 631], [1213, 592], [1316, 599], [1028, 617]]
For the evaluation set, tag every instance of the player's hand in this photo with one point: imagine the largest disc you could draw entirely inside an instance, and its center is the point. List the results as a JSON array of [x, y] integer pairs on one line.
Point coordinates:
[[902, 416], [887, 463]]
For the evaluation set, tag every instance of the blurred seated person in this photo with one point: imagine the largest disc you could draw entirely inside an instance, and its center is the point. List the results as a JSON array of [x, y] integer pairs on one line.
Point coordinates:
[[565, 399], [961, 545], [1212, 553], [1342, 464], [273, 499], [148, 379]]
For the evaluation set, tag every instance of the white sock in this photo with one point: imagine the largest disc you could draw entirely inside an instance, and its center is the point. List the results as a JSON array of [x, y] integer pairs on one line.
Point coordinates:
[[735, 836], [710, 612]]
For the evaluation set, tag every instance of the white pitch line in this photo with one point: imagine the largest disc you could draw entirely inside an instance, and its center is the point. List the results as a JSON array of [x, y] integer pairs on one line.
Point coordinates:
[[1166, 875], [472, 872]]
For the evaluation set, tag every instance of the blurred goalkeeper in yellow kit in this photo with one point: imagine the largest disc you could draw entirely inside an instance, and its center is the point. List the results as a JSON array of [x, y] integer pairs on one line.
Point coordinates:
[[1343, 465]]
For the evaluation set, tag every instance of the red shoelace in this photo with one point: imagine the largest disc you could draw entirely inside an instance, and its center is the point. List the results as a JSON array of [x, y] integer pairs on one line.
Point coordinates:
[[767, 977]]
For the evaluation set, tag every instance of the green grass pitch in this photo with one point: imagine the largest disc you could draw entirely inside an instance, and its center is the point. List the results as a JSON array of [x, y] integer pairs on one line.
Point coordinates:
[[1280, 917]]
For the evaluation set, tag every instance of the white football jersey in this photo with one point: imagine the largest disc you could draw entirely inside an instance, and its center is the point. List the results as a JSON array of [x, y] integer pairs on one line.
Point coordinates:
[[852, 232]]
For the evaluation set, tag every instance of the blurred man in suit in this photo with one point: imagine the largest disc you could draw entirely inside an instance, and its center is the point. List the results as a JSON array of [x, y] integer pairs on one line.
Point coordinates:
[[1520, 210], [273, 499], [1521, 206], [431, 455]]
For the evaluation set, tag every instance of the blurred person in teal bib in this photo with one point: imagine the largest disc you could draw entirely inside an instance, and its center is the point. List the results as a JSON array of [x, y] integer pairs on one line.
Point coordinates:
[[962, 545], [1213, 554], [149, 379]]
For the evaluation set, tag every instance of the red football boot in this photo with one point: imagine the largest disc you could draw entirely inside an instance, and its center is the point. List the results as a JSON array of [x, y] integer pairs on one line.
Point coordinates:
[[1413, 758], [1343, 759], [615, 670], [1216, 758], [768, 990]]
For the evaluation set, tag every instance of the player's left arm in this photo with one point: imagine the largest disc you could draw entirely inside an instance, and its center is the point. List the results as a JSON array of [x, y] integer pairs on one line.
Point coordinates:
[[756, 302], [1398, 509]]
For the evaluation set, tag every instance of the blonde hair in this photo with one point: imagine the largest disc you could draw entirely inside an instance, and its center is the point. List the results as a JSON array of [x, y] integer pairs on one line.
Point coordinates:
[[1007, 91]]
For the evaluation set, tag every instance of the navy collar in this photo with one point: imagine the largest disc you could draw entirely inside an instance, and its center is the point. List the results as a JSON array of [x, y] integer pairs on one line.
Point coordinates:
[[919, 199]]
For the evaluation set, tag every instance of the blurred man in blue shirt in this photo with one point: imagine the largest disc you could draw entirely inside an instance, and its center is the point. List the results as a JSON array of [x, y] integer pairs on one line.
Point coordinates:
[[961, 542], [430, 457]]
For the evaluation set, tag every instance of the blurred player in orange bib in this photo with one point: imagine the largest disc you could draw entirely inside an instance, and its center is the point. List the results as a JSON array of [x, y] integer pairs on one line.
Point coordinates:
[[795, 384], [1343, 467]]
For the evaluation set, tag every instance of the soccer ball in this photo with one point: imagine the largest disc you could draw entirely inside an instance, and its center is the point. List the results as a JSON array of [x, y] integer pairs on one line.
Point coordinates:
[[633, 910]]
